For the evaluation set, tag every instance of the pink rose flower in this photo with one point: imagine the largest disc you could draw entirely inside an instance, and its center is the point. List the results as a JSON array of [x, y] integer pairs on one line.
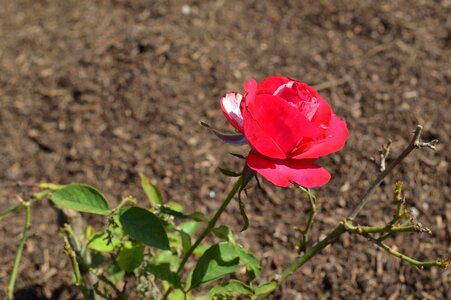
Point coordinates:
[[288, 125]]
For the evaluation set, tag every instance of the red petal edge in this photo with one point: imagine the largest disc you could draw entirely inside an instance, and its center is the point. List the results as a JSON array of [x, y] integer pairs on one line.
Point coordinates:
[[335, 139], [270, 84], [283, 172]]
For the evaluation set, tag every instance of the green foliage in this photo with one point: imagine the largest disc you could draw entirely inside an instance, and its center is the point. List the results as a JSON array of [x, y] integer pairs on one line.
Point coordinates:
[[230, 289], [150, 243], [249, 260], [189, 227], [166, 257], [81, 197], [196, 216], [229, 173], [130, 256], [219, 260], [265, 288], [101, 242], [163, 271], [145, 227], [152, 191], [185, 240], [252, 263], [243, 212]]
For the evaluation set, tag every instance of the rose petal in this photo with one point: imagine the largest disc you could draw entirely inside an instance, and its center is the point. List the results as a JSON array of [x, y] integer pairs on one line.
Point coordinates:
[[323, 113], [283, 172], [334, 139], [271, 84], [230, 105], [259, 139], [279, 120], [251, 90]]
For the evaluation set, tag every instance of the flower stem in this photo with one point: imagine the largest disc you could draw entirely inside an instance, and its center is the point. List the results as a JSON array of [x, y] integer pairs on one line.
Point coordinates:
[[36, 197], [211, 224], [315, 249], [10, 210], [308, 227], [12, 281]]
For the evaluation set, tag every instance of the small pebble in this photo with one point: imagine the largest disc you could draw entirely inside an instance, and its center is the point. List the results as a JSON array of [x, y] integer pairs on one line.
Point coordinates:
[[186, 10]]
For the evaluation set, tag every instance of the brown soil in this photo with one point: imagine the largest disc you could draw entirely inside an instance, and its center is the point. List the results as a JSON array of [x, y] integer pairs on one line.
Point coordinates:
[[98, 91]]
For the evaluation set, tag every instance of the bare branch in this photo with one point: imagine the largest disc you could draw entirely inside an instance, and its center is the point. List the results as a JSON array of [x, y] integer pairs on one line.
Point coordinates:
[[420, 264], [383, 154], [415, 143], [409, 227]]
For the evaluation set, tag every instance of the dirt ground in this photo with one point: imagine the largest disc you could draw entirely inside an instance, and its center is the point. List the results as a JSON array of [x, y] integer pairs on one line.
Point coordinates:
[[98, 91]]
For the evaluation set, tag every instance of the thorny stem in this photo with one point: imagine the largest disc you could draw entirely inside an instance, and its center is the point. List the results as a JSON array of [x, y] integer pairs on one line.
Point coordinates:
[[390, 234], [211, 224], [305, 233], [38, 196], [71, 252], [400, 200], [415, 143], [10, 210], [419, 264], [384, 229], [12, 281], [315, 249], [383, 154]]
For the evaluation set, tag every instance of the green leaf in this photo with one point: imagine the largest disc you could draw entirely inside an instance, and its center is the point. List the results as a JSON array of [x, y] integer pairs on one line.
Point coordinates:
[[151, 190], [252, 263], [219, 260], [243, 212], [166, 257], [186, 240], [81, 197], [100, 242], [265, 288], [189, 227], [230, 289], [178, 295], [130, 256], [196, 216], [163, 272], [115, 273], [175, 206], [144, 226], [237, 155], [175, 240], [223, 232], [229, 173], [97, 259], [200, 250]]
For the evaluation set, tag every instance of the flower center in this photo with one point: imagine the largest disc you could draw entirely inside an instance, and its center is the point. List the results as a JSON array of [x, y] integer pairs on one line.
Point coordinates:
[[298, 97]]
